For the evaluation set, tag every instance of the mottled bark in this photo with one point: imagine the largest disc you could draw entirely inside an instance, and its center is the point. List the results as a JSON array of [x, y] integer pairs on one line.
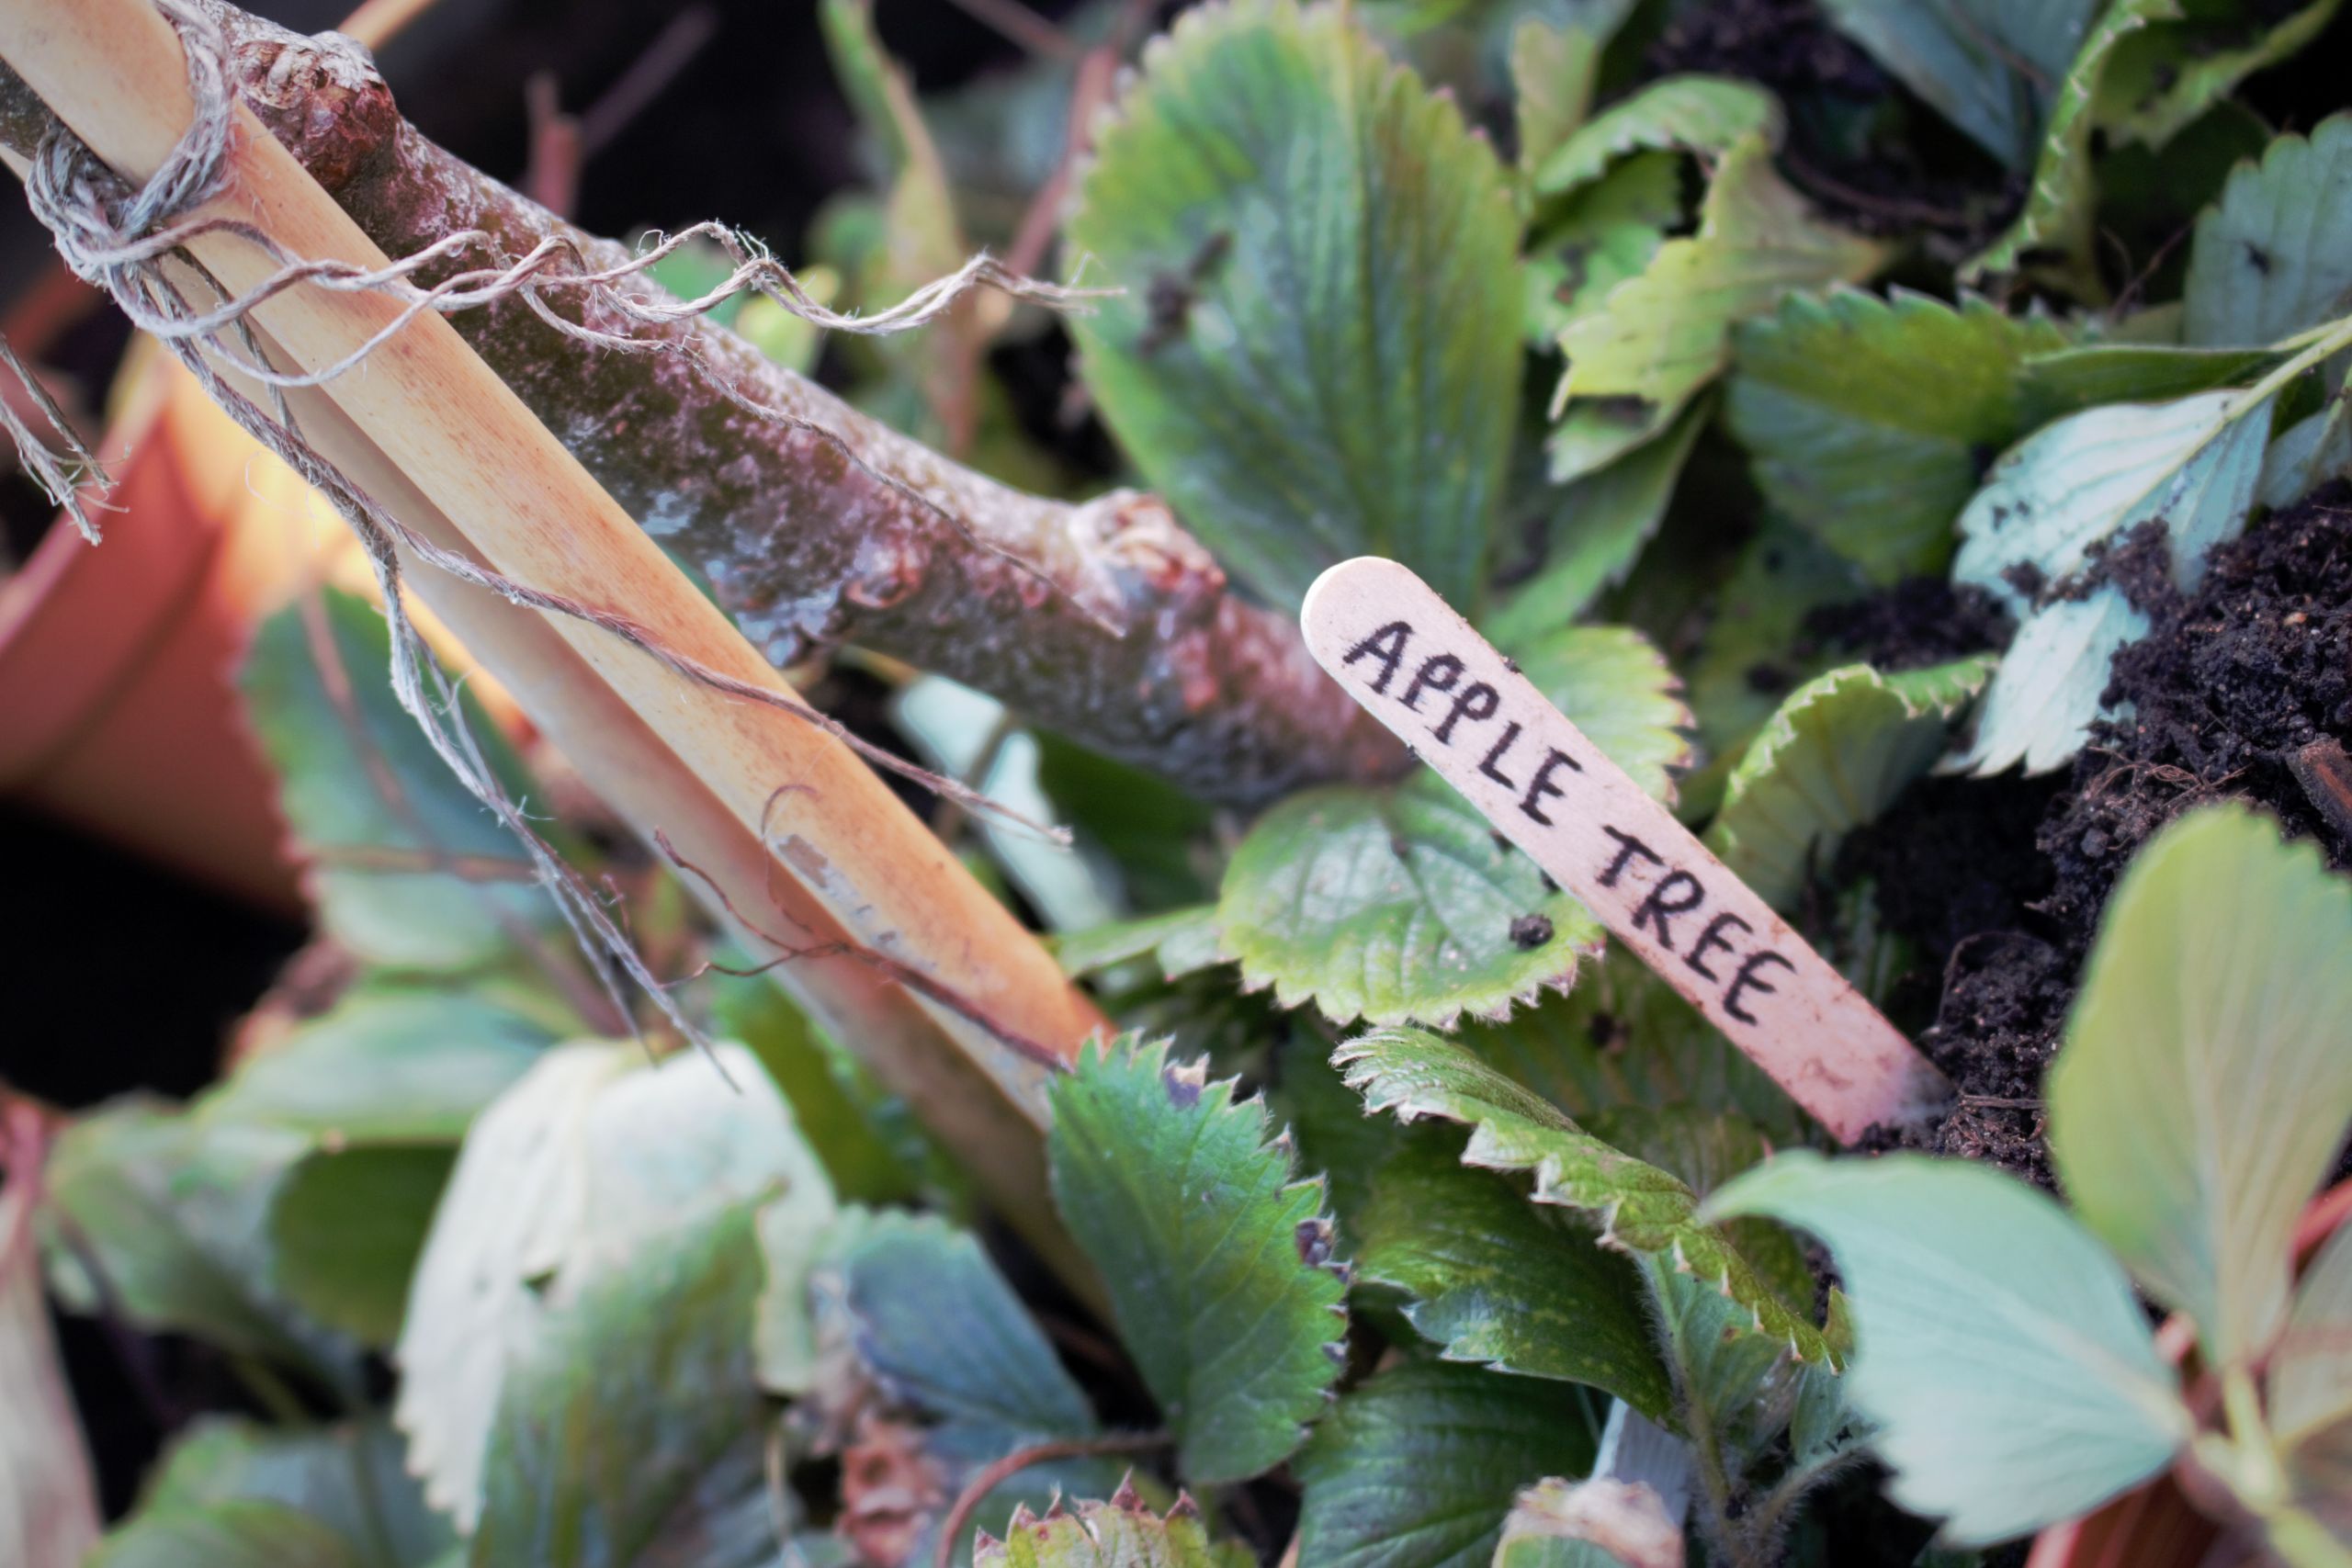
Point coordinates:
[[1103, 620]]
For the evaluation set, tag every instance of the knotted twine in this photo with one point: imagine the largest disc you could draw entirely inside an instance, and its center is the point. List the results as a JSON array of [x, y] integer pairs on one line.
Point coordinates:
[[118, 239]]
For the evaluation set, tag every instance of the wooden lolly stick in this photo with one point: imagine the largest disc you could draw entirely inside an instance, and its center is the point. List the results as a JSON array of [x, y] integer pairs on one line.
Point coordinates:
[[1466, 710]]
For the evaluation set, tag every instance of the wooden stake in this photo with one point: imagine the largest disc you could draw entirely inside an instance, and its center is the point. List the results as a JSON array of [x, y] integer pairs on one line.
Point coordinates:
[[784, 821], [1405, 654]]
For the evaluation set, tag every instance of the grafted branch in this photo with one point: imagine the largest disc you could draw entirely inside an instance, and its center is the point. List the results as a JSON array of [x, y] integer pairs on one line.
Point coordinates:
[[1103, 620]]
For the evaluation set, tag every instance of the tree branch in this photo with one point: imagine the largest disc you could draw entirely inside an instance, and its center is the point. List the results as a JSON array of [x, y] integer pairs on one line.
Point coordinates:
[[1103, 620]]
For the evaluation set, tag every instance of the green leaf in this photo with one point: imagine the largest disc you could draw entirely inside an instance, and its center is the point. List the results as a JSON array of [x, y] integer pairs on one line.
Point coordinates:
[[1665, 334], [2072, 380], [1597, 239], [1121, 1533], [384, 1064], [2051, 234], [227, 1535], [1178, 943], [1553, 63], [1493, 1280], [1825, 397], [1216, 1259], [2039, 712], [2084, 481], [1843, 747], [586, 1160], [350, 1478], [346, 1230], [2164, 77], [1316, 356], [2307, 454], [1987, 66], [1598, 526], [835, 1101], [1705, 115], [2203, 1088], [595, 1451], [2273, 256], [1753, 650], [941, 1331], [175, 1213], [1620, 690], [1624, 1038], [1640, 1208], [1418, 1468], [2308, 1380], [331, 762], [1394, 902], [2000, 1348]]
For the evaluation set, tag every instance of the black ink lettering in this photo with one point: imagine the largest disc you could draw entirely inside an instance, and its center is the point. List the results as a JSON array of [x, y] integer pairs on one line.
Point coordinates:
[[1510, 738], [1438, 673], [1663, 902], [1711, 938], [1746, 980], [1541, 785], [1629, 846], [1393, 635], [1463, 709]]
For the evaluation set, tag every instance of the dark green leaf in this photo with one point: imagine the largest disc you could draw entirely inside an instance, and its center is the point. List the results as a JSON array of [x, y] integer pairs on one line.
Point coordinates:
[[346, 1229], [1216, 1258], [2164, 76], [332, 757], [1394, 902], [633, 1392], [1826, 396], [350, 1478], [1494, 1280], [1418, 1468], [1316, 354], [1414, 1073], [1988, 66], [2072, 380], [226, 1534]]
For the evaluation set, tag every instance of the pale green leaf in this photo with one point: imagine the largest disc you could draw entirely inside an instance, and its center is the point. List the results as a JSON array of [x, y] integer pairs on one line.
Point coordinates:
[[1841, 749], [244, 1534], [2052, 235], [1494, 1280], [2045, 692], [2308, 454], [1662, 335], [629, 1400], [2273, 256], [175, 1213], [2162, 78], [863, 1136], [1396, 902], [1989, 67], [1177, 942], [2070, 380], [561, 1183], [1826, 394], [1316, 356], [1414, 1073], [2204, 1089], [385, 1064], [1552, 63], [332, 743], [1418, 1468], [1216, 1258], [1598, 526], [1621, 692], [347, 1228], [350, 1478], [1121, 1533], [2309, 1375], [1706, 115], [2001, 1350], [1595, 240]]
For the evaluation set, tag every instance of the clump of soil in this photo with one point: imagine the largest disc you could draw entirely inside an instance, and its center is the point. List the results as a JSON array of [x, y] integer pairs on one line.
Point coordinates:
[[1918, 622], [2236, 684]]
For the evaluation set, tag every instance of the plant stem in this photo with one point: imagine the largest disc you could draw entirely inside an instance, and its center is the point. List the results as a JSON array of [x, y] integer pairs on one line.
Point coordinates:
[[2329, 340]]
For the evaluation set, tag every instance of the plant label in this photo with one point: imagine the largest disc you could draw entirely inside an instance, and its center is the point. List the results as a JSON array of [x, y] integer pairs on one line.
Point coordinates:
[[1466, 710]]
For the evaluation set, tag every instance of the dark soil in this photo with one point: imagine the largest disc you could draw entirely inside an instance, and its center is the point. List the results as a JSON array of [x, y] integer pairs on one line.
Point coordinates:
[[1918, 622], [2235, 684]]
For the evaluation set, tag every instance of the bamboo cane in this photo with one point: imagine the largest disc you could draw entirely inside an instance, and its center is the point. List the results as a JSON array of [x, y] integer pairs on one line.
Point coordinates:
[[432, 433]]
